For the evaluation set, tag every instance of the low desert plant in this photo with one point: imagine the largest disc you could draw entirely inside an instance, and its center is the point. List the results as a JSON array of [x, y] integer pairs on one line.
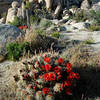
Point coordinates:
[[55, 34], [17, 22], [39, 41], [16, 49], [46, 77], [34, 19]]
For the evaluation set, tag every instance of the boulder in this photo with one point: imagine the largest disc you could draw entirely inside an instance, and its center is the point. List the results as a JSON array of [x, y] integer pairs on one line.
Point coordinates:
[[8, 33], [85, 5]]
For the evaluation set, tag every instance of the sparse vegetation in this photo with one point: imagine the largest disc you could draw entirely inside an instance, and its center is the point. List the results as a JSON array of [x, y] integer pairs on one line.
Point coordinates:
[[55, 34], [81, 56], [94, 27], [34, 19], [80, 16], [15, 50], [39, 41], [17, 22]]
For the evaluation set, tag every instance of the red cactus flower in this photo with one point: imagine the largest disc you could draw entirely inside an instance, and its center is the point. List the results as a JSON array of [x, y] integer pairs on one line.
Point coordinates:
[[67, 83], [45, 90], [69, 64], [57, 69], [47, 59], [60, 60], [47, 67], [52, 76], [46, 77], [23, 27], [69, 69]]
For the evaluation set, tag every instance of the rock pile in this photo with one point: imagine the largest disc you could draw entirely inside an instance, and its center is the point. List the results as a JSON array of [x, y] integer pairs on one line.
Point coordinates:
[[13, 12]]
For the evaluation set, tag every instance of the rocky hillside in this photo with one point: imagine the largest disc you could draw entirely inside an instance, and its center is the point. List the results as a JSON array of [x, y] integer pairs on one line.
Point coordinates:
[[68, 27]]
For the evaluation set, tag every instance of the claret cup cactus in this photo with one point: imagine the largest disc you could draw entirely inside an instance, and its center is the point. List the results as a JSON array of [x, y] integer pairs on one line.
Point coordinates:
[[44, 77]]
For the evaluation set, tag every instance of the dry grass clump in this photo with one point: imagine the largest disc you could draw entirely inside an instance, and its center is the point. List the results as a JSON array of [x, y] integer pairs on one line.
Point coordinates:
[[82, 56], [38, 41]]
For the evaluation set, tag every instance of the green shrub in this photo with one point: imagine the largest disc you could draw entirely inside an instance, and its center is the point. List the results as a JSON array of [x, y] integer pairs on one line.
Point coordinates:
[[34, 19], [17, 22], [15, 50], [94, 28], [55, 34]]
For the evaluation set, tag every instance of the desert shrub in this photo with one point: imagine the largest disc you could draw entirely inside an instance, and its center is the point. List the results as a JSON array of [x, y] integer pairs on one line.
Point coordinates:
[[34, 19], [94, 27], [55, 34], [80, 16], [46, 77], [39, 41], [16, 49], [82, 56], [17, 22]]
